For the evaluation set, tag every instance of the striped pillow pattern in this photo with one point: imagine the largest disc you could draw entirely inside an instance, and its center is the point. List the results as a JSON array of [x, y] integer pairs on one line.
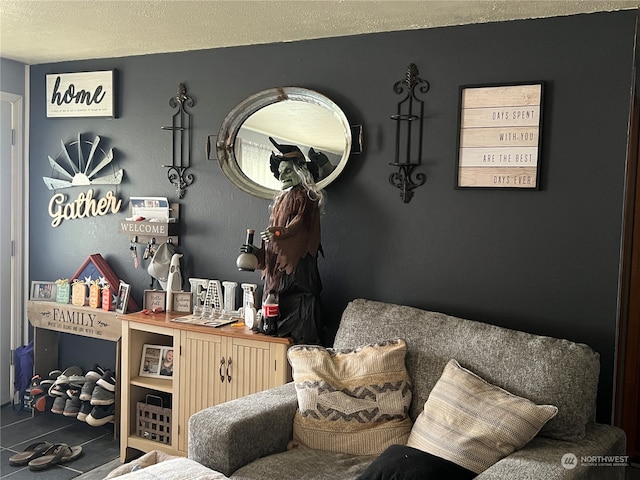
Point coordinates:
[[473, 423], [351, 401]]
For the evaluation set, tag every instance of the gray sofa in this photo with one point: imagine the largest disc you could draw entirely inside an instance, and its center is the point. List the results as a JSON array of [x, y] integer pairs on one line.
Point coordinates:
[[247, 438]]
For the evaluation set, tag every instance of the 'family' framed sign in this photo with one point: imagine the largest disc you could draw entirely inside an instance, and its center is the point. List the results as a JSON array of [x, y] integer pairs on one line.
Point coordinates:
[[83, 94], [499, 139]]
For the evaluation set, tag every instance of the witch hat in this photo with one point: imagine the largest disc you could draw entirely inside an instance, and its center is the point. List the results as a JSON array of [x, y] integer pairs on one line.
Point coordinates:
[[294, 154], [288, 151]]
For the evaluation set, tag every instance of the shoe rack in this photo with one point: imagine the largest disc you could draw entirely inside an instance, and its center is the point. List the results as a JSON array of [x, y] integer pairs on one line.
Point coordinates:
[[50, 319]]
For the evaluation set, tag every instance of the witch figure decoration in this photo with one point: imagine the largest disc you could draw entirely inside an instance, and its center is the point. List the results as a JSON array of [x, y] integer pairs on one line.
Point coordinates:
[[289, 249]]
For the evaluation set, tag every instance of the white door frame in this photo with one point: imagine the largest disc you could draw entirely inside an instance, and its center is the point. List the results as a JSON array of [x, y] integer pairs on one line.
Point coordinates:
[[19, 225]]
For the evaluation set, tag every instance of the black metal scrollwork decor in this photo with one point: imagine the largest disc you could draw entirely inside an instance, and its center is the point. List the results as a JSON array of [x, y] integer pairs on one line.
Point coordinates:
[[181, 129], [409, 122]]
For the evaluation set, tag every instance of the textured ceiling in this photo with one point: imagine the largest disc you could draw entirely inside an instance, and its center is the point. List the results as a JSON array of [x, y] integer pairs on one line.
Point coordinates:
[[46, 31]]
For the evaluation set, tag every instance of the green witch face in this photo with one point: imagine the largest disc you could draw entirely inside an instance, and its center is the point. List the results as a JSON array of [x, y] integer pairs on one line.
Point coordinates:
[[287, 175]]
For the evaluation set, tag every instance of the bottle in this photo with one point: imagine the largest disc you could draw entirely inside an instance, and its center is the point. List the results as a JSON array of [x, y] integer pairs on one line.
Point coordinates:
[[247, 261], [271, 314]]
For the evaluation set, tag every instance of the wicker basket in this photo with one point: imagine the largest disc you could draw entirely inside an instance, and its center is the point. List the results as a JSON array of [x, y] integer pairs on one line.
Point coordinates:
[[153, 421]]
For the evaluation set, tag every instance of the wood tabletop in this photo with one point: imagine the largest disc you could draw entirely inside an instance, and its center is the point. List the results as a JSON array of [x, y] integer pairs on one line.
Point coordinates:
[[164, 319]]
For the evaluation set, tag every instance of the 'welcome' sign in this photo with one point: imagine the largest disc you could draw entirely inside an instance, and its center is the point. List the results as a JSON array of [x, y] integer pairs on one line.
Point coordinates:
[[84, 94]]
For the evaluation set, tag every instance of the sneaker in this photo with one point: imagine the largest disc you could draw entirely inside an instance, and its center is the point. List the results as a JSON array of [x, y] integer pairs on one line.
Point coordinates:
[[69, 372], [58, 405], [85, 409], [108, 381], [102, 396], [95, 373], [59, 390], [42, 387], [34, 386], [87, 390], [77, 380], [41, 402], [39, 385], [72, 405], [101, 415]]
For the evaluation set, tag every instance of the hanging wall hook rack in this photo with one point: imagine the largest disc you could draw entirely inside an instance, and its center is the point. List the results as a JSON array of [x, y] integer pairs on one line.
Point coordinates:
[[181, 130], [409, 119]]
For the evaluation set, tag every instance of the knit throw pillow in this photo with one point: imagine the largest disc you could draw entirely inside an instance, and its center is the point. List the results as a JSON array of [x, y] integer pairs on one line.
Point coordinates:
[[473, 423], [351, 401]]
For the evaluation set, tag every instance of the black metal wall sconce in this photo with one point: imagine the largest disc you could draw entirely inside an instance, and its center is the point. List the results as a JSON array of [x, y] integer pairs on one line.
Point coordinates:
[[409, 120], [181, 129]]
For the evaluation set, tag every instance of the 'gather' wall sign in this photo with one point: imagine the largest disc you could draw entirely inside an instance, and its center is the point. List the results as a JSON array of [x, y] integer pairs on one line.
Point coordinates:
[[82, 207]]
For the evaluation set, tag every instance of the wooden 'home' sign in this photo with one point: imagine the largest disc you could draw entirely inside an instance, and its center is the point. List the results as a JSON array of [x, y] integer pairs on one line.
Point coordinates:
[[83, 94]]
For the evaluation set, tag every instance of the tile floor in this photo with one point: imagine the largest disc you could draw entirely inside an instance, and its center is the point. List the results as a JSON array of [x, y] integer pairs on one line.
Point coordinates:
[[20, 429], [100, 448]]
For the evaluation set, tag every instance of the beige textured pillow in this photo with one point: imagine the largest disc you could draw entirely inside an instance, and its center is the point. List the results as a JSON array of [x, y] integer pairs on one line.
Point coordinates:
[[351, 401], [473, 423]]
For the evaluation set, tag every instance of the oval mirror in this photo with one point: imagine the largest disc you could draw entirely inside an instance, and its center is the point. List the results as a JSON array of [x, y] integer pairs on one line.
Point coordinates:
[[292, 116]]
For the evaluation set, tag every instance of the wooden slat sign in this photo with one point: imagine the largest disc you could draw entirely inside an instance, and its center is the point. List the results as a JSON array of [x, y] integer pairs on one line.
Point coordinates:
[[499, 143]]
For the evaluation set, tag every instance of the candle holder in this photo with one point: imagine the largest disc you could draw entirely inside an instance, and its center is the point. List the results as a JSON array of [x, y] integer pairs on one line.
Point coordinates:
[[409, 120], [181, 129]]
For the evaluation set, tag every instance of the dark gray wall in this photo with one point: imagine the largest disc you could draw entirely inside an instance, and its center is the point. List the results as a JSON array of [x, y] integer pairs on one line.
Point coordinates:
[[541, 261]]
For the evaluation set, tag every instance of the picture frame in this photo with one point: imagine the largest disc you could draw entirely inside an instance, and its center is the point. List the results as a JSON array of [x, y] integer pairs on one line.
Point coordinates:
[[500, 136], [182, 302], [156, 361], [154, 299], [43, 291], [123, 297], [81, 94]]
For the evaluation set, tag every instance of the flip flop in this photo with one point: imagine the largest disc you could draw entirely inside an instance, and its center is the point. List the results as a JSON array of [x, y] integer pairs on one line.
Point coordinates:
[[58, 453], [34, 450]]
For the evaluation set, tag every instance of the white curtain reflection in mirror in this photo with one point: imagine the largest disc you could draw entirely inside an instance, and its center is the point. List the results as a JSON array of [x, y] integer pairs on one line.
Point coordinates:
[[253, 160]]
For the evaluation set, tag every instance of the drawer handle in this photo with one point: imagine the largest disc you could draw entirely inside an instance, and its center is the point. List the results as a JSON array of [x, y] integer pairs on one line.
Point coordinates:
[[221, 367], [229, 369]]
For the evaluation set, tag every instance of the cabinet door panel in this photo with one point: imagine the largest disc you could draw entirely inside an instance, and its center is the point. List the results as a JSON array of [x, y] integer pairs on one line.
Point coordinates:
[[200, 385], [250, 367]]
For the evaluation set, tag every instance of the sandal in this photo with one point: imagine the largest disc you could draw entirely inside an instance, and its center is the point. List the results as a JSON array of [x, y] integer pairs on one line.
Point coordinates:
[[34, 450], [58, 453]]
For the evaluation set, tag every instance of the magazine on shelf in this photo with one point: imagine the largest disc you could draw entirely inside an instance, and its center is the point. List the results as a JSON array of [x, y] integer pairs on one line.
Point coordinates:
[[150, 207], [207, 321]]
